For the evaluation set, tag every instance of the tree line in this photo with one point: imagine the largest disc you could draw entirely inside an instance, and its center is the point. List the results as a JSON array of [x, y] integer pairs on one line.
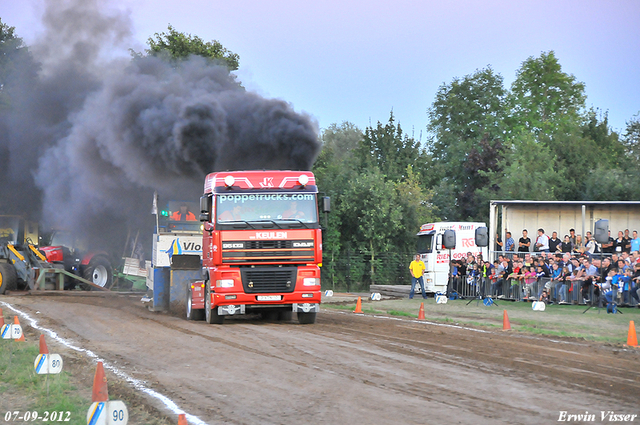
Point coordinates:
[[534, 140]]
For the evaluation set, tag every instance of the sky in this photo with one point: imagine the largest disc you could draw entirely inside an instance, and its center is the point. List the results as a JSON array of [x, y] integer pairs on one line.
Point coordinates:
[[357, 61]]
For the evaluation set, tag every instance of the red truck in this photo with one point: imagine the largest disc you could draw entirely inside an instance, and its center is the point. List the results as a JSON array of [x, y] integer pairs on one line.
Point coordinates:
[[261, 247]]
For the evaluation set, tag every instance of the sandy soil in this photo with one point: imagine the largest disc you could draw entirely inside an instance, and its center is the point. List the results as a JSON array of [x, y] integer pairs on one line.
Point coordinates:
[[346, 368]]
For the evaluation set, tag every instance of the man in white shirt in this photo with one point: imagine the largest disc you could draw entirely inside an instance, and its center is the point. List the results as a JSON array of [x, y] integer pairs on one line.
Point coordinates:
[[542, 243]]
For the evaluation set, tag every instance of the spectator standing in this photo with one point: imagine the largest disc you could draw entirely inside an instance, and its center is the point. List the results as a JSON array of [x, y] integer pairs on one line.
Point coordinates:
[[417, 268], [509, 244], [542, 242], [607, 248], [591, 247], [499, 243], [578, 247], [627, 239], [566, 245], [572, 236], [524, 242], [635, 242], [554, 242], [620, 244]]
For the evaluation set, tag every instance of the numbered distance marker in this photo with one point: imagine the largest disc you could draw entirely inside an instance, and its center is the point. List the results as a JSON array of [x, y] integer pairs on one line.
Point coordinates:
[[11, 332], [113, 412], [48, 364]]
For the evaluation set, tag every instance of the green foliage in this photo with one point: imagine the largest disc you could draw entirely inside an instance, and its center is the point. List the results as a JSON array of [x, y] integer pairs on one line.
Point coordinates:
[[542, 96], [178, 46], [12, 50], [52, 393], [378, 198], [467, 119]]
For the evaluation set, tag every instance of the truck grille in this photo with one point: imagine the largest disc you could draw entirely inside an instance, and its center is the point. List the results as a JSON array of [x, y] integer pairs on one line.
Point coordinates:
[[275, 252], [269, 279]]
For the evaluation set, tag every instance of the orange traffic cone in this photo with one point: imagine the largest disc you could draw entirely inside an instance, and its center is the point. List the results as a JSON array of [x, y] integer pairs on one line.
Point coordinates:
[[43, 346], [632, 339], [17, 322], [506, 326], [358, 306], [100, 391], [421, 312], [182, 419]]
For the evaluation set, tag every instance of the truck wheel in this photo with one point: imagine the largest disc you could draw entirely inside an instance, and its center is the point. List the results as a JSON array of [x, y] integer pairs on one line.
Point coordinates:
[[99, 271], [211, 314], [8, 278], [306, 318], [192, 314]]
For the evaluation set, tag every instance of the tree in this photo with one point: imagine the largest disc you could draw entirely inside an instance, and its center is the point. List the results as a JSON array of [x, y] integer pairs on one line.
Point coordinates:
[[631, 139], [179, 46], [467, 123], [371, 215], [11, 48], [542, 96], [529, 172], [391, 151]]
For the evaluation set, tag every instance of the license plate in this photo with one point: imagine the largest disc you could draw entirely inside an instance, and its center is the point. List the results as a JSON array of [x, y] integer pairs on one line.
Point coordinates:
[[269, 297]]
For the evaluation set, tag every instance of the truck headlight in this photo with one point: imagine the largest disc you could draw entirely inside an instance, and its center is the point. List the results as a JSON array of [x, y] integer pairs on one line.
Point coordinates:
[[311, 281], [224, 283]]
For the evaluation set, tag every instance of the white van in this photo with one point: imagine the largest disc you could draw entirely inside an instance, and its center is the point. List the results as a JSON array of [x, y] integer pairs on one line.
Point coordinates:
[[436, 257]]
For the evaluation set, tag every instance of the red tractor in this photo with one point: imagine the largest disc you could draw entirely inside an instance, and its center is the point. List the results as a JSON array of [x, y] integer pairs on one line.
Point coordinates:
[[94, 266]]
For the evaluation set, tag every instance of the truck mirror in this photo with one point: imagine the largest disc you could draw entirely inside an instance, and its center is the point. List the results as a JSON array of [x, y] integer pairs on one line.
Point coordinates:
[[205, 216], [439, 241], [326, 204], [205, 204]]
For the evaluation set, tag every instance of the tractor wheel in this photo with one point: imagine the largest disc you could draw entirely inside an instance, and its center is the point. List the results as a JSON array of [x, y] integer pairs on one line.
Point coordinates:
[[211, 315], [98, 271], [191, 313], [8, 278]]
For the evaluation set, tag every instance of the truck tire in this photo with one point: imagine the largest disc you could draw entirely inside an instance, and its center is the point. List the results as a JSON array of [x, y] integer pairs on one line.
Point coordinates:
[[98, 271], [211, 315], [191, 313], [8, 278], [306, 318]]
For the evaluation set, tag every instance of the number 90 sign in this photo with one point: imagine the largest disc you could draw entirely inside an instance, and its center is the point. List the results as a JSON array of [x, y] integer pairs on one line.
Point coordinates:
[[112, 412]]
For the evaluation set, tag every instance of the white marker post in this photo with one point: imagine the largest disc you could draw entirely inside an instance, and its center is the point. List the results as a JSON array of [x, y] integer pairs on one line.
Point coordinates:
[[104, 411], [46, 364], [11, 331], [112, 412]]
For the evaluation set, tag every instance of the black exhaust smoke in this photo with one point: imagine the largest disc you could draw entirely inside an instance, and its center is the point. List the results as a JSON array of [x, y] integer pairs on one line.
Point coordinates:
[[100, 136]]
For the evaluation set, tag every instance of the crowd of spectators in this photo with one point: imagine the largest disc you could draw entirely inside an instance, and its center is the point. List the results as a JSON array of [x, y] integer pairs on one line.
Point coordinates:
[[562, 271]]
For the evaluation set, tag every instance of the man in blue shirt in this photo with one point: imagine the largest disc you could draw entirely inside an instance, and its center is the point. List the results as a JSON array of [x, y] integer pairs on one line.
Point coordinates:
[[635, 242], [509, 244]]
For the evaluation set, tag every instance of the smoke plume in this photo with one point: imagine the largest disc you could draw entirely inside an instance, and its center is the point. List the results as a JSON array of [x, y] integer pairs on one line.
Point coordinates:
[[90, 138]]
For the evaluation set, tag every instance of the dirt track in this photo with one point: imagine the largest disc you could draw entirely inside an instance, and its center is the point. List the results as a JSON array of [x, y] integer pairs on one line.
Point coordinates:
[[346, 368]]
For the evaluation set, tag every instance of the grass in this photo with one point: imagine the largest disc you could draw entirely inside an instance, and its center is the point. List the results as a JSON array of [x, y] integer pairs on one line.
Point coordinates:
[[19, 383], [568, 321]]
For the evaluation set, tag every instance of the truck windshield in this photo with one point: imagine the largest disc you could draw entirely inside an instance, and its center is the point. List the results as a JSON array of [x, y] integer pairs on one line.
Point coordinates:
[[277, 208], [425, 244]]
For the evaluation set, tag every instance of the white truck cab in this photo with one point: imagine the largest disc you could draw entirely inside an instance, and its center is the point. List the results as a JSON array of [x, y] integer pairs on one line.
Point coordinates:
[[436, 257]]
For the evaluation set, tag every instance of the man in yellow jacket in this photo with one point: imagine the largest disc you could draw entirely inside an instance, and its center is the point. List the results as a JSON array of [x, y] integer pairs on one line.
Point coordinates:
[[417, 270]]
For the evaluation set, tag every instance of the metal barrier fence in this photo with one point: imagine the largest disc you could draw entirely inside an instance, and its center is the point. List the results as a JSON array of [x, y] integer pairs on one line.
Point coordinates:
[[519, 289], [352, 270]]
